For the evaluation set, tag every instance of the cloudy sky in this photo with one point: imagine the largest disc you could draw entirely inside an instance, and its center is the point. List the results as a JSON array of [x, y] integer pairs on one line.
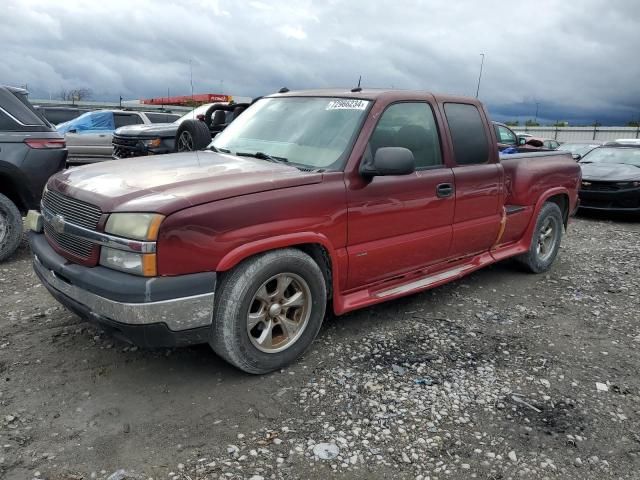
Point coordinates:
[[578, 60]]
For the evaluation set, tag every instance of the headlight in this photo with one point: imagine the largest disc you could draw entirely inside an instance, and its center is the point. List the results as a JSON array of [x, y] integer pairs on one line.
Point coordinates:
[[137, 226], [154, 142], [143, 264], [628, 184]]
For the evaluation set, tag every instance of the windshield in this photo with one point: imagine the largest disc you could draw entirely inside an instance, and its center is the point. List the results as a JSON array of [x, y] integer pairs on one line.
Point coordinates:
[[201, 110], [311, 132], [577, 148], [626, 156]]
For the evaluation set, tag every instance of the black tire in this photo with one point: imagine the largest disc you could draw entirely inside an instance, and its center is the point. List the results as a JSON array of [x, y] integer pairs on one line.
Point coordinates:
[[192, 135], [238, 294], [10, 227], [540, 258]]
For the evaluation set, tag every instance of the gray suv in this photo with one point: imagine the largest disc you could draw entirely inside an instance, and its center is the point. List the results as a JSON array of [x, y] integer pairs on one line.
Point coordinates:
[[31, 150]]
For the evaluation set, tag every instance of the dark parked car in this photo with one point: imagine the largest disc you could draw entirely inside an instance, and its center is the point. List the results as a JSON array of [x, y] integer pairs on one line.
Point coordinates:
[[192, 131], [30, 152], [611, 179], [579, 148]]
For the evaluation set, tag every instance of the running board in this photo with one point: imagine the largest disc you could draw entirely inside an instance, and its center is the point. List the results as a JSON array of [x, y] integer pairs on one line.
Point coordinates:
[[427, 281]]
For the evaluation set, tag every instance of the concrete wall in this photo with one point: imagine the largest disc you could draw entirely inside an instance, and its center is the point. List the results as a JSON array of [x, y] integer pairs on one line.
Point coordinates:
[[567, 134]]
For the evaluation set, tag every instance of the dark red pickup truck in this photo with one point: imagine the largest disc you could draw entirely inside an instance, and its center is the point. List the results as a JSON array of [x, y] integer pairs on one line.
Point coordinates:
[[310, 200]]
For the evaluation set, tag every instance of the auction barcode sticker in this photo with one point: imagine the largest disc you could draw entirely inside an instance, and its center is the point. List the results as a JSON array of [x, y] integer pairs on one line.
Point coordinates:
[[346, 104]]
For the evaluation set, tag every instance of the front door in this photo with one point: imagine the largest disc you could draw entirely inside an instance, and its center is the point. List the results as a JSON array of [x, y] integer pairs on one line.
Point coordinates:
[[401, 223]]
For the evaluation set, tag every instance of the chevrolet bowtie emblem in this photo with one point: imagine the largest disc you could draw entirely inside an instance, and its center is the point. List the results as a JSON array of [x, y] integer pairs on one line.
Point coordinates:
[[57, 223], [586, 184]]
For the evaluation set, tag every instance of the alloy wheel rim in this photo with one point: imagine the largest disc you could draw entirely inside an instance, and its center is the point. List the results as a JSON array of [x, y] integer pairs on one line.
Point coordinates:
[[185, 143], [546, 239], [279, 312], [4, 228]]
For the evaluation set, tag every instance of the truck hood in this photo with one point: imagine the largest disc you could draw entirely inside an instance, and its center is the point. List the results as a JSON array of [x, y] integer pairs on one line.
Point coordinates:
[[609, 172], [153, 130], [168, 183]]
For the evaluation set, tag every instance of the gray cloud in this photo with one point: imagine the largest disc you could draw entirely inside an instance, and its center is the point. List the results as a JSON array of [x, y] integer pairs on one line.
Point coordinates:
[[577, 61]]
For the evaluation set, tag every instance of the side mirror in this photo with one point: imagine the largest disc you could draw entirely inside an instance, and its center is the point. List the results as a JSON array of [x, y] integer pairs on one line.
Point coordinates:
[[390, 161], [576, 156], [522, 141]]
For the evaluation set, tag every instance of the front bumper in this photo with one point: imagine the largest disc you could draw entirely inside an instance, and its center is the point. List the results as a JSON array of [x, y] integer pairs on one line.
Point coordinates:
[[150, 312], [129, 147], [622, 200]]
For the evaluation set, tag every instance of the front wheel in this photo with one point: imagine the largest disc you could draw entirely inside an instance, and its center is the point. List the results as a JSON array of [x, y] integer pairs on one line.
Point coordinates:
[[268, 310], [545, 242]]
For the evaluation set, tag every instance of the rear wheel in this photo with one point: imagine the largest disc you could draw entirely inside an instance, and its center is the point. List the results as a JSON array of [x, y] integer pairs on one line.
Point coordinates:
[[268, 310], [10, 227], [545, 242], [192, 135]]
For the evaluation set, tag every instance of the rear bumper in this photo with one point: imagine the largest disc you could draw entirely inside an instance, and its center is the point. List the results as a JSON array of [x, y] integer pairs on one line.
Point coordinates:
[[150, 312]]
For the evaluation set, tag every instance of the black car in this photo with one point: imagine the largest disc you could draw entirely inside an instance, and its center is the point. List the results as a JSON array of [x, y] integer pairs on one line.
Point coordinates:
[[611, 179], [192, 131], [31, 150]]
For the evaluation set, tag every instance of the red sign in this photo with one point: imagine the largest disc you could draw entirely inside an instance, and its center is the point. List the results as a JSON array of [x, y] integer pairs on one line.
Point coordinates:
[[188, 99]]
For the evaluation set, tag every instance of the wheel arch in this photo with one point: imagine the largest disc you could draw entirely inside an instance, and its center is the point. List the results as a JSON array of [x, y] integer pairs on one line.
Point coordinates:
[[317, 246], [9, 188]]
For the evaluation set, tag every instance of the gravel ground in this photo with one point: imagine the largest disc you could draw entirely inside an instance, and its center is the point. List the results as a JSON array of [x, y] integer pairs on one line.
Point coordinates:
[[501, 375]]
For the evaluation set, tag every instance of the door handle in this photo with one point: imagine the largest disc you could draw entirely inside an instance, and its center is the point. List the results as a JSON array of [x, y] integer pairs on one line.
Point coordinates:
[[444, 190]]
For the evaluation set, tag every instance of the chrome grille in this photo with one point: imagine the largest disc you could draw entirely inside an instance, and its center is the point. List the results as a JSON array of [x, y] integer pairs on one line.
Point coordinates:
[[76, 246], [73, 211]]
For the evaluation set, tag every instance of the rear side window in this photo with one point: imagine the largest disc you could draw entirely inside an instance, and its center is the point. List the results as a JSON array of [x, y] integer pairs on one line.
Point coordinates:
[[162, 117], [122, 119], [17, 106], [6, 123], [470, 145]]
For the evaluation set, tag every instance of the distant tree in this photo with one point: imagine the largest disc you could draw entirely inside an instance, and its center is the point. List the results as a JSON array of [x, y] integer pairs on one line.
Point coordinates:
[[596, 124], [75, 94], [512, 123], [560, 123], [531, 123], [633, 123]]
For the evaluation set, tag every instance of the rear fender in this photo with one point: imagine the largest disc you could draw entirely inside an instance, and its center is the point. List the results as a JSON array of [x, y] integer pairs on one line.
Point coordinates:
[[539, 204]]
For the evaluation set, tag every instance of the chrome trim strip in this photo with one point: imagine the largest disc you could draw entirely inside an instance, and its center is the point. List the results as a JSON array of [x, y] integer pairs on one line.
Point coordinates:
[[424, 282], [60, 225], [178, 313]]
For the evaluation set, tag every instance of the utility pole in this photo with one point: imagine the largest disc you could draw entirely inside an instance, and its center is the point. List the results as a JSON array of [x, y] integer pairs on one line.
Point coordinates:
[[535, 120], [480, 76]]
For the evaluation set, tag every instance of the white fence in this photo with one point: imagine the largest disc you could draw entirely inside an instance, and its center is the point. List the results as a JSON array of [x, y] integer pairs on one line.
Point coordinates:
[[567, 134]]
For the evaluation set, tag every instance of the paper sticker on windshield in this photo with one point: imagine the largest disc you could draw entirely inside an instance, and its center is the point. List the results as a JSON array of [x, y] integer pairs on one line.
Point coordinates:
[[346, 104]]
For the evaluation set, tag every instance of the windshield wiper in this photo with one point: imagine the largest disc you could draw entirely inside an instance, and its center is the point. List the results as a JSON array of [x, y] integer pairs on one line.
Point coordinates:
[[263, 156]]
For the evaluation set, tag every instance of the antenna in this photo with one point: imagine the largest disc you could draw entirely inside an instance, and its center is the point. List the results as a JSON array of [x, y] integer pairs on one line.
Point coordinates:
[[359, 80], [480, 76], [191, 78]]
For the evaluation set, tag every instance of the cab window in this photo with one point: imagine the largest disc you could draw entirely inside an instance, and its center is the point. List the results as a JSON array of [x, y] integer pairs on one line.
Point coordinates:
[[506, 136], [412, 126]]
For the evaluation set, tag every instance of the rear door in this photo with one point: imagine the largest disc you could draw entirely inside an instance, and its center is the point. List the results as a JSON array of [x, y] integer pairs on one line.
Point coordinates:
[[478, 180], [401, 223]]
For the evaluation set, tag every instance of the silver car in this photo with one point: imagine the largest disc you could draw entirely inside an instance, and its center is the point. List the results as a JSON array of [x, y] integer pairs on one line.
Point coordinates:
[[89, 136]]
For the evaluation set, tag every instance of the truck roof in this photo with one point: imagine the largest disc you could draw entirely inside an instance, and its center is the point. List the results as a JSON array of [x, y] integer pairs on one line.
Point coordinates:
[[376, 94]]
